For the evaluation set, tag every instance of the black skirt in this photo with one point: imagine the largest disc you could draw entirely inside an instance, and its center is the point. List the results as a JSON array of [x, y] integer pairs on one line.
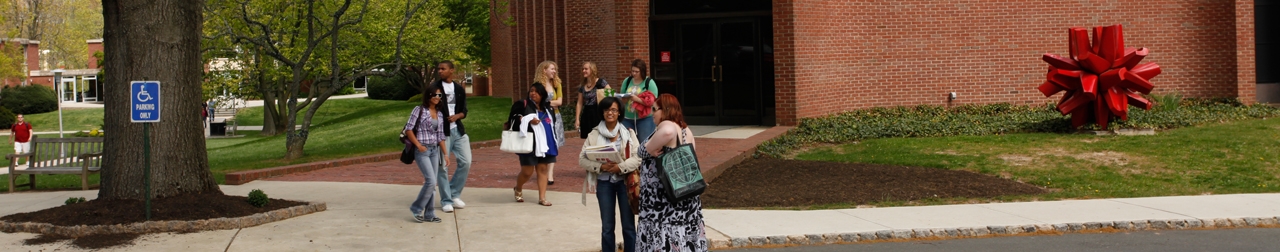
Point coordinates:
[[590, 118]]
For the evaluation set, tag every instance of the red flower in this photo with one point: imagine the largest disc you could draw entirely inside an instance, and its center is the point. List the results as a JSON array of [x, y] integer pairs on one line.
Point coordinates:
[[1101, 79]]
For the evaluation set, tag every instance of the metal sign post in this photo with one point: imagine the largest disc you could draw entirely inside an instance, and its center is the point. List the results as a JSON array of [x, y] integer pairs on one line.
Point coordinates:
[[144, 107]]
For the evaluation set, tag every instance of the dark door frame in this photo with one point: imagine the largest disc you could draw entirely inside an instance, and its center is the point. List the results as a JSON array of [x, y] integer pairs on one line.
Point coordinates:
[[720, 117]]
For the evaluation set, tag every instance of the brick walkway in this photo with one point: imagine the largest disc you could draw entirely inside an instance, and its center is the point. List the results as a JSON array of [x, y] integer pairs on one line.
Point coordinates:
[[492, 168]]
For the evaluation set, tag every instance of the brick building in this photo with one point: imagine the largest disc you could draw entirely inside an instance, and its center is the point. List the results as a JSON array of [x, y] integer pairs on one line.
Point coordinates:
[[78, 85], [774, 62]]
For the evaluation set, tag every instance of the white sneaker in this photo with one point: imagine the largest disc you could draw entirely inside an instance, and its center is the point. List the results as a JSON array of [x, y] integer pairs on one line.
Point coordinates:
[[457, 203], [447, 208]]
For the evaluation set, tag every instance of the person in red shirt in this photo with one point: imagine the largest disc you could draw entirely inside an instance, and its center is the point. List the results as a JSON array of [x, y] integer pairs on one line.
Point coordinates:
[[21, 136]]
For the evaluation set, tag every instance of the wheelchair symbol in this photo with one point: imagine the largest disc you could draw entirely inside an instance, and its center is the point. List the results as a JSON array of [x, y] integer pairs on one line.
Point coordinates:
[[144, 96]]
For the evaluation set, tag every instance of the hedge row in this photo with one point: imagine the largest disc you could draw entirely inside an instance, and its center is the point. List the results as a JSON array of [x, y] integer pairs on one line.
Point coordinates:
[[976, 120], [29, 99]]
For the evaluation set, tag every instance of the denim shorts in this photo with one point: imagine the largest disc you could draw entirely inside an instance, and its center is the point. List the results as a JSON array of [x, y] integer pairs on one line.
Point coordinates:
[[531, 160]]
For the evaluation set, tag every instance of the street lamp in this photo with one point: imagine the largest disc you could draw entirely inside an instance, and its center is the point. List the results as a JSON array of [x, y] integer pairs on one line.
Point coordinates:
[[57, 82]]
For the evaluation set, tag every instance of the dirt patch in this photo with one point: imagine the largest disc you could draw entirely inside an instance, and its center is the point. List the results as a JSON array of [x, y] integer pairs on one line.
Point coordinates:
[[1016, 160], [835, 148], [769, 182], [1105, 158]]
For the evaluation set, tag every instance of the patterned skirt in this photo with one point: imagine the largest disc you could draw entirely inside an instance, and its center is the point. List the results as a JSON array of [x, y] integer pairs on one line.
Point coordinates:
[[667, 226]]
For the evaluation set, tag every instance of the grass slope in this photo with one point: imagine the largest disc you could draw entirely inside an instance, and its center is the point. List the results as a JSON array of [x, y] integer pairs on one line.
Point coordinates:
[[340, 129]]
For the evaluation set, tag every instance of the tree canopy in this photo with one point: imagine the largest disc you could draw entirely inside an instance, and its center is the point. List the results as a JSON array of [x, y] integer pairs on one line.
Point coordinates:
[[298, 53]]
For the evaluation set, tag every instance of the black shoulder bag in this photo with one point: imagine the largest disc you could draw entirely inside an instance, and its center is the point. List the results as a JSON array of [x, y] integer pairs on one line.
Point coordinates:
[[406, 156], [679, 172]]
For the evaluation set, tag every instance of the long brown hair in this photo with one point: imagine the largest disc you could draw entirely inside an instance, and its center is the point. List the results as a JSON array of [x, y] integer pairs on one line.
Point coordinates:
[[671, 110]]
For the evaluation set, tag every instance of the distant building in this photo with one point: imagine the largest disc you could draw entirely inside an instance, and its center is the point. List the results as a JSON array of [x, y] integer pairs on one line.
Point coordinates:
[[78, 85]]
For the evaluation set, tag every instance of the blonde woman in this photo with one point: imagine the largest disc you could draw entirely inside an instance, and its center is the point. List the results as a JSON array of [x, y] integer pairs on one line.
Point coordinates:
[[588, 114], [546, 75]]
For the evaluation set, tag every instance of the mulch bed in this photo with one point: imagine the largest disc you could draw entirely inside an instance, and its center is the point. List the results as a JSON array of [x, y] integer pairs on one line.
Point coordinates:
[[770, 182], [120, 211]]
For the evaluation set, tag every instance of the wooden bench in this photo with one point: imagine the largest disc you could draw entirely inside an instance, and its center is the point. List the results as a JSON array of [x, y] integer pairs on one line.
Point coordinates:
[[226, 116], [76, 155]]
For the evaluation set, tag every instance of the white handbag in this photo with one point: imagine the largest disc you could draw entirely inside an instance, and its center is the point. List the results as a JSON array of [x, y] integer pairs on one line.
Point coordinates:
[[512, 142]]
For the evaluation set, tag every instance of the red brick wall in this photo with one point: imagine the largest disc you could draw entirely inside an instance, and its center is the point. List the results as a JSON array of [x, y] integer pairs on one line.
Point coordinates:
[[536, 36], [501, 40], [93, 61], [632, 34], [1246, 59], [784, 64], [857, 54], [568, 32], [33, 57], [834, 56], [590, 29]]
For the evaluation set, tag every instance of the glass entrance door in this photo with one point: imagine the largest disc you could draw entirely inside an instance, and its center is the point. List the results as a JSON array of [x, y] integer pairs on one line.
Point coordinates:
[[69, 88], [720, 71]]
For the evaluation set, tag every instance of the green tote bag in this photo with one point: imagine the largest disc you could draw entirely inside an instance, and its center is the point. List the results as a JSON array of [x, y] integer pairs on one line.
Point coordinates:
[[679, 172]]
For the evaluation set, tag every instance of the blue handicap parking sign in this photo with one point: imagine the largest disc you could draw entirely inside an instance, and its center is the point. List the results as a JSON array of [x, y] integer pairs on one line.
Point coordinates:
[[144, 101]]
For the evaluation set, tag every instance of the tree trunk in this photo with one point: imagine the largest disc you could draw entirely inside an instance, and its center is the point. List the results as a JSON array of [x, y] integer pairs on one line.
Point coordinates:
[[269, 113], [163, 45], [294, 143]]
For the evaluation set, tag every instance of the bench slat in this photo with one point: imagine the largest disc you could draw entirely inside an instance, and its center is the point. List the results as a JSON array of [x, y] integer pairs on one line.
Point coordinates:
[[55, 170]]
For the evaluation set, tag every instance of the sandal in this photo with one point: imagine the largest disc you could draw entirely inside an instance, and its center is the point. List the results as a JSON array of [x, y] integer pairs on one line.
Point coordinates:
[[544, 203], [519, 195]]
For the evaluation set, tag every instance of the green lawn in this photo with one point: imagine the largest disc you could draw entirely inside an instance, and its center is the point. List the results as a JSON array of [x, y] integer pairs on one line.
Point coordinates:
[[73, 119], [1237, 157], [340, 129]]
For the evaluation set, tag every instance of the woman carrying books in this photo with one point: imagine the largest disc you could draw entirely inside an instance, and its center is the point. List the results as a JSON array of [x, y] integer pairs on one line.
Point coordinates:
[[608, 173]]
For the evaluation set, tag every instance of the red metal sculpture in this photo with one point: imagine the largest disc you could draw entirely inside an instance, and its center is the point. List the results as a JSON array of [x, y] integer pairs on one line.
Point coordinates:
[[1101, 79]]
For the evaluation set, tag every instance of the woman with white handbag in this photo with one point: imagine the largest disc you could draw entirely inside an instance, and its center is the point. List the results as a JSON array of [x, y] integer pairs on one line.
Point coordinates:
[[532, 118]]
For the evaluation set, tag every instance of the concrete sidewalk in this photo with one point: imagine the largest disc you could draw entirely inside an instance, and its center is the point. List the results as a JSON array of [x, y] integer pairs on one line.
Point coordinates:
[[375, 217]]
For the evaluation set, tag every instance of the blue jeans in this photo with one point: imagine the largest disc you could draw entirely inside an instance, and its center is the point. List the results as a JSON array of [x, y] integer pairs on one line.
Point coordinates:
[[427, 162], [451, 188], [643, 127], [607, 193]]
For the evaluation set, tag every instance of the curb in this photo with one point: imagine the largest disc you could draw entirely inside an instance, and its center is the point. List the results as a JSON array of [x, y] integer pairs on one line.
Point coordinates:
[[165, 226], [242, 177], [896, 235]]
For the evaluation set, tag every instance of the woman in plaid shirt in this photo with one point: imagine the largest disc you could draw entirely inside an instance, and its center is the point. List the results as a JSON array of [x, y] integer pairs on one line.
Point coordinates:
[[427, 126]]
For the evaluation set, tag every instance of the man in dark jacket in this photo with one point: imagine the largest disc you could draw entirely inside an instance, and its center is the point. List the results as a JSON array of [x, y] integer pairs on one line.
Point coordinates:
[[458, 143]]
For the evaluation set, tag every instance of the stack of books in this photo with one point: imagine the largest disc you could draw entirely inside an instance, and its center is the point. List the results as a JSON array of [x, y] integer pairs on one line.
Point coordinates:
[[603, 153]]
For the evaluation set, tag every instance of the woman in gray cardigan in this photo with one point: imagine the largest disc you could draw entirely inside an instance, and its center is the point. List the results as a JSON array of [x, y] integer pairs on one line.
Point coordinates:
[[609, 178]]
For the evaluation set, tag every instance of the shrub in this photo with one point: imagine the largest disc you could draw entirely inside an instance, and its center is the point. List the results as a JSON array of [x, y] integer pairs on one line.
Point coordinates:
[[390, 88], [975, 120], [1165, 102], [257, 198], [73, 200], [90, 133], [30, 99], [7, 118]]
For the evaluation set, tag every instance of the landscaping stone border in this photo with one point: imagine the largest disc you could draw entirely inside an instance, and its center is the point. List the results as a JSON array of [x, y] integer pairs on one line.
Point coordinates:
[[165, 226], [897, 235]]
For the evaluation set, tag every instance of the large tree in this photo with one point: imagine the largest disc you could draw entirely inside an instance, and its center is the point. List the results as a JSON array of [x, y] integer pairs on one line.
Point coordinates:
[[61, 26], [304, 51], [154, 40]]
